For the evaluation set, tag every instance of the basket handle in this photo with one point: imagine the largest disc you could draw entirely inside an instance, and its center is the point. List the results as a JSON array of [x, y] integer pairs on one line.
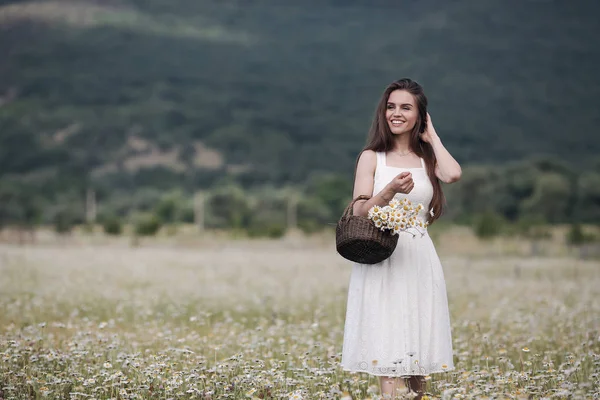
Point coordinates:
[[349, 210]]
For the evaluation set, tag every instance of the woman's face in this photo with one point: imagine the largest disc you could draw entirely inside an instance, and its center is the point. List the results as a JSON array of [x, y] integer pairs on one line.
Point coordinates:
[[401, 112]]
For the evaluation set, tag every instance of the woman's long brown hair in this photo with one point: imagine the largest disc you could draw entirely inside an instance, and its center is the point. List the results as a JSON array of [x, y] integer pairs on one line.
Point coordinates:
[[381, 138]]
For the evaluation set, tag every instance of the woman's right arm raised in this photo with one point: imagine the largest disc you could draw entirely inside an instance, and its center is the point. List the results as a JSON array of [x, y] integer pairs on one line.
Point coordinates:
[[364, 181]]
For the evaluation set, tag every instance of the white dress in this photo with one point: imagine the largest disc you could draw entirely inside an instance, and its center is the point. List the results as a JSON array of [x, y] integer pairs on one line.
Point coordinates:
[[397, 319]]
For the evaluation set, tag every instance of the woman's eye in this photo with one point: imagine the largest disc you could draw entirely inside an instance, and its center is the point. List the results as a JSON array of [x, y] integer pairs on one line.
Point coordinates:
[[406, 108], [390, 106]]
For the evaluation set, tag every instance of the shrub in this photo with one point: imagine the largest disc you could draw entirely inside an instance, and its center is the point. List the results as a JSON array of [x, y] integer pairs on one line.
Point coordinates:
[[532, 227], [271, 230], [112, 226], [228, 207], [314, 216], [488, 225], [186, 214], [576, 236], [147, 225], [63, 222], [309, 226], [166, 210], [87, 227]]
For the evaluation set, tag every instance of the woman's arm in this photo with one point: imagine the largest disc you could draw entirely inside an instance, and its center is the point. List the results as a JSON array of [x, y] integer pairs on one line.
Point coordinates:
[[364, 181], [447, 169]]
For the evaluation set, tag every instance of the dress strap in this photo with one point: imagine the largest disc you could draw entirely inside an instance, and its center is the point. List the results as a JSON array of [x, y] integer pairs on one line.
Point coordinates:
[[380, 159], [422, 163]]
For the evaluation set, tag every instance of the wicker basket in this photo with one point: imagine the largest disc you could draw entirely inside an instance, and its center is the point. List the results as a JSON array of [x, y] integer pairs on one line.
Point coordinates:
[[357, 239]]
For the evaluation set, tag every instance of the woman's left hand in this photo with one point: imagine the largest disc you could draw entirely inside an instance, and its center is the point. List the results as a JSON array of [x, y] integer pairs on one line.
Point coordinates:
[[446, 169], [429, 134]]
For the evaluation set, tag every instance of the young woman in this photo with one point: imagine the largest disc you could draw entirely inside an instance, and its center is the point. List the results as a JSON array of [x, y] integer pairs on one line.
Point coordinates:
[[397, 321]]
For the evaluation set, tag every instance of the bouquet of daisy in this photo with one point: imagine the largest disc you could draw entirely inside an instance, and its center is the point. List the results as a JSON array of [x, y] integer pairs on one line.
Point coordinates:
[[398, 216]]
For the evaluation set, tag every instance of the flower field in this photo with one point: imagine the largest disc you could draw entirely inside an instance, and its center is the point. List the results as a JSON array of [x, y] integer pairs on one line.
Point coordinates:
[[264, 320]]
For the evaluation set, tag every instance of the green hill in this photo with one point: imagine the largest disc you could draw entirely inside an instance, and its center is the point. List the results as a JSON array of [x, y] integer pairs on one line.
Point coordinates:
[[138, 93]]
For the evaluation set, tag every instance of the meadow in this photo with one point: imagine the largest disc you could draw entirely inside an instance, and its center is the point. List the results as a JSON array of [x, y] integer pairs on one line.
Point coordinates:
[[210, 318]]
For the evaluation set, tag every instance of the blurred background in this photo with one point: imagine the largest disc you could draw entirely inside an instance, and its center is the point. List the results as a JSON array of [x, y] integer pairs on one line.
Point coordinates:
[[146, 117]]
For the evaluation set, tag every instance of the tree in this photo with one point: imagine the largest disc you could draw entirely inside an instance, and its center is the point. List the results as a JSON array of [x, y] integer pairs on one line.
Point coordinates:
[[333, 191], [552, 198], [474, 195], [169, 207], [228, 207], [20, 206], [587, 208], [267, 215], [313, 215]]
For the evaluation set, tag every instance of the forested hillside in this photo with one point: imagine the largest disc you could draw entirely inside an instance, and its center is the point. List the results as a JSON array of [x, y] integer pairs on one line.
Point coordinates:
[[125, 94]]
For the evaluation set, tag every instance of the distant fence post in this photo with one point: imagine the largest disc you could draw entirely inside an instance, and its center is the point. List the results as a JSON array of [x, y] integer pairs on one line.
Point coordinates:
[[199, 211], [90, 206]]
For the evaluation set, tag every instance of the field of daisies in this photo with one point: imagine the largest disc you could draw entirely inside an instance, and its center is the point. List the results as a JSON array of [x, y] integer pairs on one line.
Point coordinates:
[[264, 320]]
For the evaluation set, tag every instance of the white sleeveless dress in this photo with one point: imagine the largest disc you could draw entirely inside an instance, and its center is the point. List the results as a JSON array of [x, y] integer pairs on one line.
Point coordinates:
[[397, 319]]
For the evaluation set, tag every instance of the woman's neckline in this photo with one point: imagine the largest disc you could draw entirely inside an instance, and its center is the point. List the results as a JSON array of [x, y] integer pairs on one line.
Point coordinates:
[[390, 166]]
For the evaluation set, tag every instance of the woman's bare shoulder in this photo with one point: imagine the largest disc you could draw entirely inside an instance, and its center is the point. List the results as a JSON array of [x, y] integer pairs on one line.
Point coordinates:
[[368, 157]]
